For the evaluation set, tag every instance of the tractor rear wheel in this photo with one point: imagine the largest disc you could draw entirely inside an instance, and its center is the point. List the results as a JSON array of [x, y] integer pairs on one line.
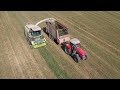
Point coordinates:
[[67, 51]]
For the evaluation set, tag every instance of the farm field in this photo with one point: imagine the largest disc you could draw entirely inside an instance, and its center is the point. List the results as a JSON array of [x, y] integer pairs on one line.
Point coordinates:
[[98, 31]]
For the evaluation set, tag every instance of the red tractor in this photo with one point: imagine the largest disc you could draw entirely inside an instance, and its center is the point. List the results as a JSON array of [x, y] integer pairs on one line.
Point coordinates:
[[73, 48]]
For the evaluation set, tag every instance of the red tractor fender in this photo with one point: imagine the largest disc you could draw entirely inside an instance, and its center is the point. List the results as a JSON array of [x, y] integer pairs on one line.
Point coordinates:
[[68, 46]]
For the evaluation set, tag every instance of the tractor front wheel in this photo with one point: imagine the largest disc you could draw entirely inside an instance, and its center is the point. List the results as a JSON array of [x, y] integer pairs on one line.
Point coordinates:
[[84, 57]]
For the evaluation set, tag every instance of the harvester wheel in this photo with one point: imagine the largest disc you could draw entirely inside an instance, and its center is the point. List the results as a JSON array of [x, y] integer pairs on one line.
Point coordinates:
[[28, 41]]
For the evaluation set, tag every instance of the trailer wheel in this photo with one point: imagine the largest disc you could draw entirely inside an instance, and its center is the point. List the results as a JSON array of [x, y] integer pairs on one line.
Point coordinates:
[[51, 37]]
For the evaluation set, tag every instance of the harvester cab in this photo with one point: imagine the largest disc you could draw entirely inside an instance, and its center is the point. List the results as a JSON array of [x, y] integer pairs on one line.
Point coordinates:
[[34, 36]]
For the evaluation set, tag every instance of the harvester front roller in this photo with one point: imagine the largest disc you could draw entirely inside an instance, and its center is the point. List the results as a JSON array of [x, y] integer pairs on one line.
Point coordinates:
[[37, 45]]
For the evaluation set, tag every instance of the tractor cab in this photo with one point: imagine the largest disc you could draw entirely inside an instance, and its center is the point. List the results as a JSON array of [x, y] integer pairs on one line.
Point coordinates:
[[75, 42], [77, 52]]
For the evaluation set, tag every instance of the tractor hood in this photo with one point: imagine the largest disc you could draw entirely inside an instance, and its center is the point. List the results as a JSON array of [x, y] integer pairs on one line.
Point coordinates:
[[80, 51]]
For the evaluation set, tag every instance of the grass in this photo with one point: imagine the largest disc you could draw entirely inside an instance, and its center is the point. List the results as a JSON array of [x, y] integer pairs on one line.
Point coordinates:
[[53, 64]]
